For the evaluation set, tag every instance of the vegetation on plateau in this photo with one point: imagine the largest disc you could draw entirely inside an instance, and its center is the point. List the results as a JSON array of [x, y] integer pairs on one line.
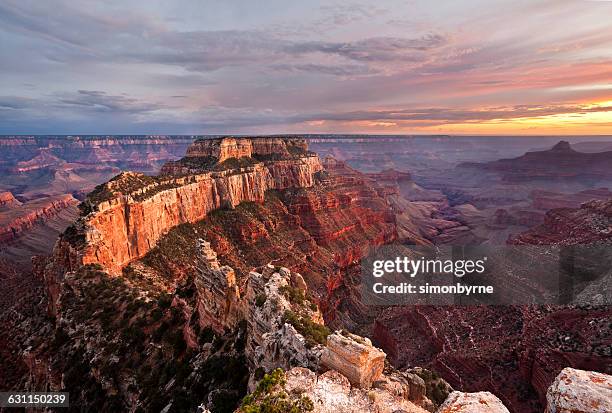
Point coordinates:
[[270, 397]]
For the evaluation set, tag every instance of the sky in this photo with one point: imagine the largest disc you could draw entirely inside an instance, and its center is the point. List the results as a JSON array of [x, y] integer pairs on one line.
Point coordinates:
[[277, 66]]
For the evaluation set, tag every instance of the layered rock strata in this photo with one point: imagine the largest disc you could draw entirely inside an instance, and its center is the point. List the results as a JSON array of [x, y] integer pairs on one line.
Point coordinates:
[[354, 357], [22, 153], [128, 215], [591, 222], [219, 303], [16, 219], [236, 147]]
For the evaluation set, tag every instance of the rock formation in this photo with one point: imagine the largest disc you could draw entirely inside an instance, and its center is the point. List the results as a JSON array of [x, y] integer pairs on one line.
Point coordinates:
[[546, 200], [127, 216], [275, 314], [332, 392], [44, 159], [143, 153], [7, 200], [481, 402], [286, 331], [560, 163], [354, 357], [16, 219], [218, 302], [570, 226], [230, 147], [329, 217], [578, 391]]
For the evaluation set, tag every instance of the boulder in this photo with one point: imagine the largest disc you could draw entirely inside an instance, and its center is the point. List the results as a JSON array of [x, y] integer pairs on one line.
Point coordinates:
[[355, 357], [579, 391], [332, 392], [481, 402]]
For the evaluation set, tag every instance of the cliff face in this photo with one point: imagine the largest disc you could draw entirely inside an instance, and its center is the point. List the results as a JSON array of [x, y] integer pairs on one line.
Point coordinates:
[[223, 149], [135, 210], [7, 200], [570, 226], [44, 159], [219, 302], [15, 219], [560, 163], [24, 153]]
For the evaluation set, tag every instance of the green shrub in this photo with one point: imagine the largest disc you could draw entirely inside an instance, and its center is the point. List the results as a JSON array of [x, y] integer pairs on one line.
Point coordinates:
[[313, 333], [260, 299], [294, 295], [267, 398]]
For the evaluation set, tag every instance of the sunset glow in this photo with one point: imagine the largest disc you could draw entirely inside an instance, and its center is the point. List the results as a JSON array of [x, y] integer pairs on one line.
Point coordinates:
[[478, 67]]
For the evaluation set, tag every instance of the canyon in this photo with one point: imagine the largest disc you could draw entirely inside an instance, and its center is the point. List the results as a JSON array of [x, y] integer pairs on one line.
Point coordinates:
[[575, 165], [47, 176], [246, 253]]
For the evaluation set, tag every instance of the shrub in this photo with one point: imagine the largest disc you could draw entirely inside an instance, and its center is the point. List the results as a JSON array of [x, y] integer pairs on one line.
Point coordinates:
[[74, 236], [177, 341], [266, 400], [157, 314], [294, 295], [260, 299], [313, 333]]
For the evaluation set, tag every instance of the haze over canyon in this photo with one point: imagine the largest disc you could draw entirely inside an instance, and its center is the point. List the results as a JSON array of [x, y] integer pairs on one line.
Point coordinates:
[[149, 273]]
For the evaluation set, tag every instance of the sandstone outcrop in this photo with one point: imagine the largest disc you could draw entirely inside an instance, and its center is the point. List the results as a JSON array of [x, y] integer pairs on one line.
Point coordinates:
[[218, 295], [7, 200], [16, 218], [354, 357], [578, 391], [481, 402], [333, 392], [591, 222], [127, 216], [237, 147]]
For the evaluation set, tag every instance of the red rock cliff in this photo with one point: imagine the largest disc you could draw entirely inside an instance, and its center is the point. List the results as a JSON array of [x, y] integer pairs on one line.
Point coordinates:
[[129, 214], [16, 218]]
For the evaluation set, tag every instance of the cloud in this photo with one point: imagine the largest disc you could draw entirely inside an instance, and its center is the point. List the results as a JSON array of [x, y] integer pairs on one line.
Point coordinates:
[[334, 70], [125, 63], [79, 105], [98, 101], [13, 103], [126, 37], [374, 49], [453, 115]]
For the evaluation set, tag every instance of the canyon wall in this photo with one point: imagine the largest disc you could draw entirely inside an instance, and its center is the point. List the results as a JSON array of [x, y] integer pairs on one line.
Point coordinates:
[[8, 200], [15, 218], [20, 154], [590, 223], [130, 213], [231, 147]]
